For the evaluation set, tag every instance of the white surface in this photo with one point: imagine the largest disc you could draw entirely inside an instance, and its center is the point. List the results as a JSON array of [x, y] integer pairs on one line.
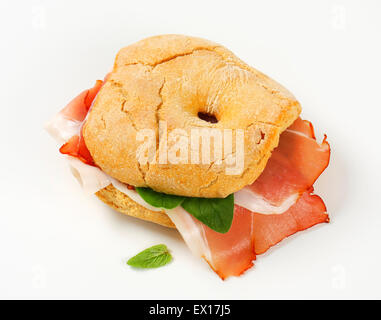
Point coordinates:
[[55, 242]]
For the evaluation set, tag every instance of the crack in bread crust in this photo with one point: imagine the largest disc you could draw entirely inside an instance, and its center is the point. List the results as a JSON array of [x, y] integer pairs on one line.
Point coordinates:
[[219, 50], [170, 58]]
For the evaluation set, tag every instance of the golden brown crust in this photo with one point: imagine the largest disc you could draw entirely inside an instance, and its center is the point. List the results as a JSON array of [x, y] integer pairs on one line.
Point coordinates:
[[172, 78], [122, 203]]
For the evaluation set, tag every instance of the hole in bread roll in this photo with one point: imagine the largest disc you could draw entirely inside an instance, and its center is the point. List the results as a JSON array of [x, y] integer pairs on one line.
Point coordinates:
[[207, 117]]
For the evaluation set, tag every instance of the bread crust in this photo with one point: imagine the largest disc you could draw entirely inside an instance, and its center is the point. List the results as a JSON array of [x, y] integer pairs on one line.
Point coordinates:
[[172, 78], [122, 203]]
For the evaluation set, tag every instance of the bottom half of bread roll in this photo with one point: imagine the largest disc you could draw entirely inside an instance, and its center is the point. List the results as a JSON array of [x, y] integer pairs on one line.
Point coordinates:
[[122, 203]]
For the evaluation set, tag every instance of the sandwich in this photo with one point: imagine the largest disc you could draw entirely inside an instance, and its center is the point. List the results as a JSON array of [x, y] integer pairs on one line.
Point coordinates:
[[184, 134]]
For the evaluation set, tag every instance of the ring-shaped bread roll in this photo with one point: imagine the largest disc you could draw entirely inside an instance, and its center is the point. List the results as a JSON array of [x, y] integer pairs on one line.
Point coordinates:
[[185, 83]]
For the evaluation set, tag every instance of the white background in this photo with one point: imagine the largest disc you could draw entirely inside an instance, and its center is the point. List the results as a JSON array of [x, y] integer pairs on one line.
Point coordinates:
[[55, 242]]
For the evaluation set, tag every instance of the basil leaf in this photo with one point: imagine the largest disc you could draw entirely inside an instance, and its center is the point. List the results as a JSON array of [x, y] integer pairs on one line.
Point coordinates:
[[216, 213], [159, 200], [153, 257]]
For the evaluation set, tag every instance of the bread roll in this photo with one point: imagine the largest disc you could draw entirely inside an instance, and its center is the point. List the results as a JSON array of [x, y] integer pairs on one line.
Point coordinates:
[[175, 78]]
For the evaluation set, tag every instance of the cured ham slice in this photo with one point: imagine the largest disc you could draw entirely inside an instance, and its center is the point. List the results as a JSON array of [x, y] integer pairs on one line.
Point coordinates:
[[228, 254], [303, 127], [76, 111], [293, 166], [232, 253], [271, 229], [255, 202], [76, 147], [92, 179], [78, 108], [278, 204], [251, 234]]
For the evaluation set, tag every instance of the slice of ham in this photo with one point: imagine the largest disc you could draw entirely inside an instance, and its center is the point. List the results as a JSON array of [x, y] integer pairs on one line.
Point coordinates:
[[92, 179], [78, 108], [293, 166], [76, 147], [232, 253], [308, 211], [227, 254], [76, 112], [251, 234], [278, 204]]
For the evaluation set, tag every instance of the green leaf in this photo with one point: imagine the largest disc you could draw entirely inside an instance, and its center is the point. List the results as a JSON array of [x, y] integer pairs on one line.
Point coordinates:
[[159, 200], [216, 213], [153, 257]]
